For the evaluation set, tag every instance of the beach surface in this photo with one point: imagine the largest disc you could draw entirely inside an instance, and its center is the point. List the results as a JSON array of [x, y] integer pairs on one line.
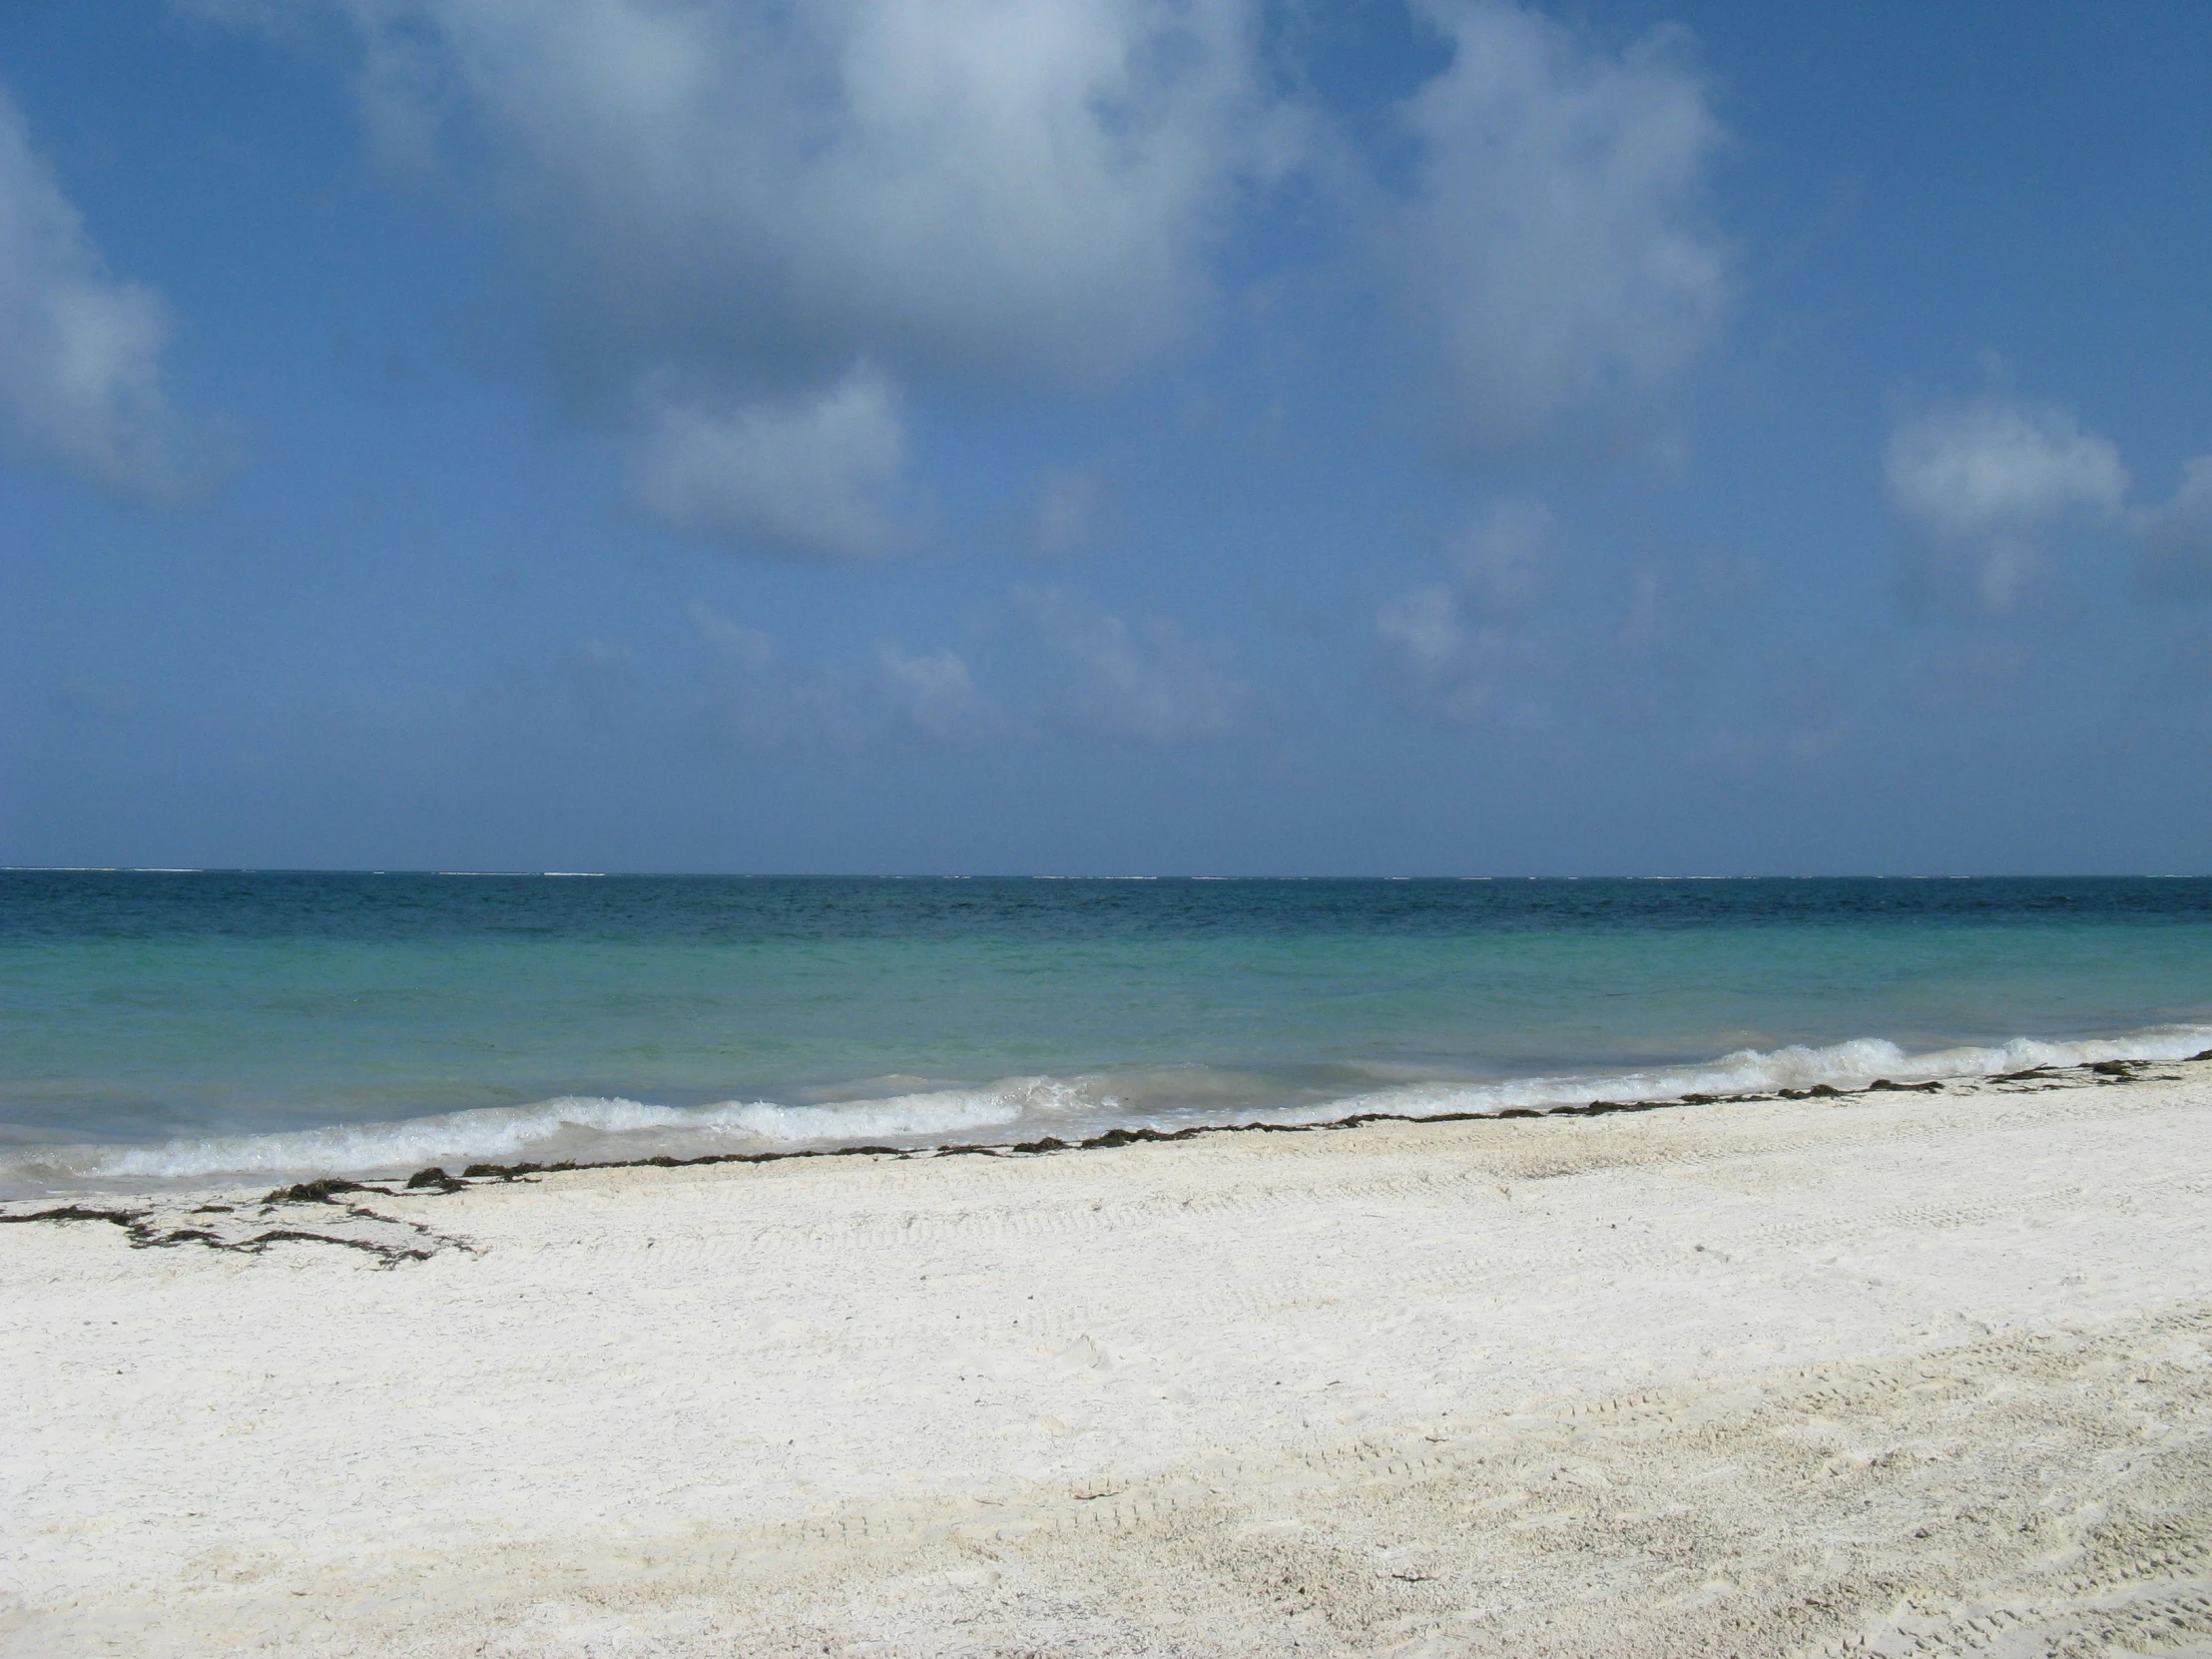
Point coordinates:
[[1892, 1373]]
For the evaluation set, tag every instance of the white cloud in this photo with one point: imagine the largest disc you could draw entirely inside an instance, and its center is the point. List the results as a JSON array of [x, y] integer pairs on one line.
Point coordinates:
[[1497, 556], [757, 700], [724, 204], [1975, 477], [1425, 624], [774, 189], [814, 476], [1158, 688], [1453, 638], [1996, 464], [1458, 666], [733, 642], [598, 673], [933, 692], [1069, 501], [1555, 246], [2177, 537], [80, 350]]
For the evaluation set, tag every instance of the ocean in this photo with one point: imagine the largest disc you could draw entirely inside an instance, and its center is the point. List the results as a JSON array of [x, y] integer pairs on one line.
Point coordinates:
[[167, 1028]]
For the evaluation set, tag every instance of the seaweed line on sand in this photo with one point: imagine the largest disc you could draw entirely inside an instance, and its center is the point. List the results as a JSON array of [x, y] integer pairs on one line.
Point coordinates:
[[435, 1179], [392, 1240]]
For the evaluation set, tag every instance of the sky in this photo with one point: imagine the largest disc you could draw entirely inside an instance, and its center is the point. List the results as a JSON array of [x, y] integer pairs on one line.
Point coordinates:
[[1061, 436]]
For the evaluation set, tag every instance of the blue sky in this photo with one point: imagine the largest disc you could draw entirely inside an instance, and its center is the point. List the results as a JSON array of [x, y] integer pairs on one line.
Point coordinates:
[[1211, 437]]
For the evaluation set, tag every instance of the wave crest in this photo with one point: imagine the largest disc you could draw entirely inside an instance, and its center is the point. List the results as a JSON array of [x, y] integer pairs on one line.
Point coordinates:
[[579, 1127], [588, 1129], [1844, 1065]]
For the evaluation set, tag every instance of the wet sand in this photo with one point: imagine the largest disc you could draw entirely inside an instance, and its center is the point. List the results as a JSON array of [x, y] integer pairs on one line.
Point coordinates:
[[1889, 1373]]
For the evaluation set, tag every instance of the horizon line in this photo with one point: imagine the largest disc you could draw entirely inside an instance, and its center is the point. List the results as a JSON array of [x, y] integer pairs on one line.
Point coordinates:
[[1059, 876]]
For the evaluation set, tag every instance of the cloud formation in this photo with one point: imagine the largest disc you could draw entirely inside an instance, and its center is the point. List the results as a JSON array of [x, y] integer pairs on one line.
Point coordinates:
[[766, 191], [1497, 557], [1069, 507], [80, 350], [933, 690], [1555, 246], [2176, 538], [811, 474], [1976, 477], [726, 204], [1459, 641], [1157, 688], [757, 699]]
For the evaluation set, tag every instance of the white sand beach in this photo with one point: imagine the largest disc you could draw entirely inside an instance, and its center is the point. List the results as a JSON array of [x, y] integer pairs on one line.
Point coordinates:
[[1896, 1372]]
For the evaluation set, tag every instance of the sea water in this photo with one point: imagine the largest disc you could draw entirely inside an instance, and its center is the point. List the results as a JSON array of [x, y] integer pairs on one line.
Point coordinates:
[[184, 1027]]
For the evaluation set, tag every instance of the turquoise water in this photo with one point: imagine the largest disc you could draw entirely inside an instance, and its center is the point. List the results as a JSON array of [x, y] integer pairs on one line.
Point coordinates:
[[174, 1026]]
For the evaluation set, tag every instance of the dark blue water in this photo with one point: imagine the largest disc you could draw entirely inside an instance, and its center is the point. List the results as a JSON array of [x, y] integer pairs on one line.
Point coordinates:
[[180, 1026]]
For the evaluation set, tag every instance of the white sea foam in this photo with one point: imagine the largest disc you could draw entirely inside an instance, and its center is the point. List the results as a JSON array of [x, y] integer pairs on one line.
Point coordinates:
[[1844, 1065], [599, 1129], [583, 1128]]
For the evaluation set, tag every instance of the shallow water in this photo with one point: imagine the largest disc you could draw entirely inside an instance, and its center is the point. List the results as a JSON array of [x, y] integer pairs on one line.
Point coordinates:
[[157, 1027]]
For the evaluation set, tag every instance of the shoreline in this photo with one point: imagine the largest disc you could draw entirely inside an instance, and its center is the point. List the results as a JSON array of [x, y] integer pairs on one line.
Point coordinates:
[[1077, 1110], [434, 1177], [1876, 1369]]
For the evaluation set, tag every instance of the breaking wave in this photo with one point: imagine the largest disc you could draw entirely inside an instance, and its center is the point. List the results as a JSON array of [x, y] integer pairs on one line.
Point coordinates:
[[1844, 1065], [601, 1129]]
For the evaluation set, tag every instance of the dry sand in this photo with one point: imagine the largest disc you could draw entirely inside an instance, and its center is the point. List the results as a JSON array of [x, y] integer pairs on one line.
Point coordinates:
[[1900, 1372]]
